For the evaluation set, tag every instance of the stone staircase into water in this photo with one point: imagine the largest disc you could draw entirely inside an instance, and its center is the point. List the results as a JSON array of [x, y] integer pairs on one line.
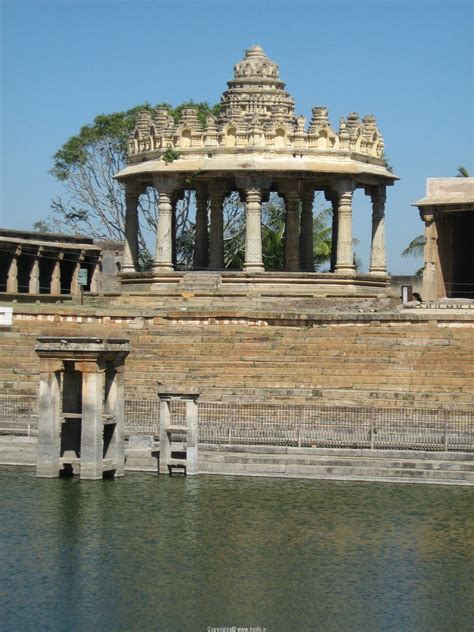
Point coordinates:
[[391, 466], [397, 466]]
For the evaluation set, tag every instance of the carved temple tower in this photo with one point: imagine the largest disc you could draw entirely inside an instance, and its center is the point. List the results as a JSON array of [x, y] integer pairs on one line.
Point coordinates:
[[255, 146]]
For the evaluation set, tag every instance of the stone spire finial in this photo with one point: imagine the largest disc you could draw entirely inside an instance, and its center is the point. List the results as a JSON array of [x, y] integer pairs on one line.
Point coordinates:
[[255, 64], [256, 89]]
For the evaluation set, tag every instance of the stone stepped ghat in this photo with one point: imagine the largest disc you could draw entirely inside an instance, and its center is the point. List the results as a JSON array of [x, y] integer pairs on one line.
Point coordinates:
[[383, 359], [392, 466], [397, 466]]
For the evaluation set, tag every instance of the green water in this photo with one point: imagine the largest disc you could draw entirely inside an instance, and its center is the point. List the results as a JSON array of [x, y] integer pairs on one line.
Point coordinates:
[[154, 553]]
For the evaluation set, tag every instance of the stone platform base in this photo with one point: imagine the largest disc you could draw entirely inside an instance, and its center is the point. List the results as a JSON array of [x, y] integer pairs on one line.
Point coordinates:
[[391, 466], [283, 283]]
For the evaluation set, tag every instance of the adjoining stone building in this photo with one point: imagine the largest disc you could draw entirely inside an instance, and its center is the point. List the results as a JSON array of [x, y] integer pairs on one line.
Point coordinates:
[[257, 145], [448, 214], [38, 263]]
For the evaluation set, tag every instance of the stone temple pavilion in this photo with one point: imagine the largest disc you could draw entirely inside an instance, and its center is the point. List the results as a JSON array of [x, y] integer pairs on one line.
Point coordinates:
[[257, 145]]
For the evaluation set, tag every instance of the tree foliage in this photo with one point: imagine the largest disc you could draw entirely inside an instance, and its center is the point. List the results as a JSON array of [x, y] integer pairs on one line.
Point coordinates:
[[415, 247], [93, 202]]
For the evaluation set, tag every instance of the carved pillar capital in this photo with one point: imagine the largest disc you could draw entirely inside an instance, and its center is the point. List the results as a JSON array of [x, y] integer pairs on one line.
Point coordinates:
[[201, 190], [427, 215], [343, 186], [253, 182], [217, 189], [133, 190], [166, 184]]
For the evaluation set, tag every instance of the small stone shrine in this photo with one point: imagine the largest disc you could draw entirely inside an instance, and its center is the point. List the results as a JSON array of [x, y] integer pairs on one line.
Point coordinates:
[[81, 401], [188, 429], [255, 146], [447, 212]]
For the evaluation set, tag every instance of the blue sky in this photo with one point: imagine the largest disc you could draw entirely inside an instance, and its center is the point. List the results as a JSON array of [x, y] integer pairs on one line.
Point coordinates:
[[407, 62]]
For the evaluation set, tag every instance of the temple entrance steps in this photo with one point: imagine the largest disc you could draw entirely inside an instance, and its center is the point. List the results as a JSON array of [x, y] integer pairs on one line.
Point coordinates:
[[231, 299], [228, 282], [395, 466]]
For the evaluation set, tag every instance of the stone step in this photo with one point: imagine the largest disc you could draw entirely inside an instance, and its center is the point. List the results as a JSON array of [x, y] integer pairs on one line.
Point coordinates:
[[177, 462], [416, 455], [339, 468], [345, 462], [177, 429]]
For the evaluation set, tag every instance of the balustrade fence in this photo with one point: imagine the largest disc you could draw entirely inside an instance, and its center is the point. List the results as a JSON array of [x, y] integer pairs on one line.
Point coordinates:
[[285, 424]]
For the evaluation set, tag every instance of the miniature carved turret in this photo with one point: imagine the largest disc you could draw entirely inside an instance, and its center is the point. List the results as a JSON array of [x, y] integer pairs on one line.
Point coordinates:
[[256, 112]]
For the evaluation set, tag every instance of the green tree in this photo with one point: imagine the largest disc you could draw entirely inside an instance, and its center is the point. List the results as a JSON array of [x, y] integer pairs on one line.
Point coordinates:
[[273, 235], [93, 201], [463, 172], [415, 247]]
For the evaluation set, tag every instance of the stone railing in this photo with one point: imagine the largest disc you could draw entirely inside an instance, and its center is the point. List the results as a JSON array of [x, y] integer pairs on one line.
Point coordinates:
[[285, 424]]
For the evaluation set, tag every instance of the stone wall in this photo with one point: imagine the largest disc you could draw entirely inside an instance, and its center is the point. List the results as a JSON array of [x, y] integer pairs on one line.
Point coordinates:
[[356, 359]]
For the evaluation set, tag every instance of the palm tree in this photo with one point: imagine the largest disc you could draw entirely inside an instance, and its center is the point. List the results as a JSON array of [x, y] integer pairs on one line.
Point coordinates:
[[415, 247], [273, 236]]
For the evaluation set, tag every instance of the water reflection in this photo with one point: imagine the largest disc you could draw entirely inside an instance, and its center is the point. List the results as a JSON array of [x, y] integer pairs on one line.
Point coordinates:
[[153, 553]]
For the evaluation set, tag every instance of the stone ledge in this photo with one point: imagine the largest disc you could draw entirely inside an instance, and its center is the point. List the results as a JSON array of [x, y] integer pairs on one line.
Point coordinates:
[[125, 315]]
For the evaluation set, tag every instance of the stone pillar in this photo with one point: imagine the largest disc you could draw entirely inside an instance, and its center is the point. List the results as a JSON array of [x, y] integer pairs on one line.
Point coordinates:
[[92, 431], [95, 275], [292, 239], [49, 420], [174, 252], [75, 287], [56, 276], [253, 231], [165, 443], [34, 285], [253, 188], [345, 257], [130, 250], [378, 261], [201, 237], [430, 255], [114, 407], [192, 459], [12, 278], [331, 196], [306, 230], [177, 196], [216, 238], [163, 261]]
